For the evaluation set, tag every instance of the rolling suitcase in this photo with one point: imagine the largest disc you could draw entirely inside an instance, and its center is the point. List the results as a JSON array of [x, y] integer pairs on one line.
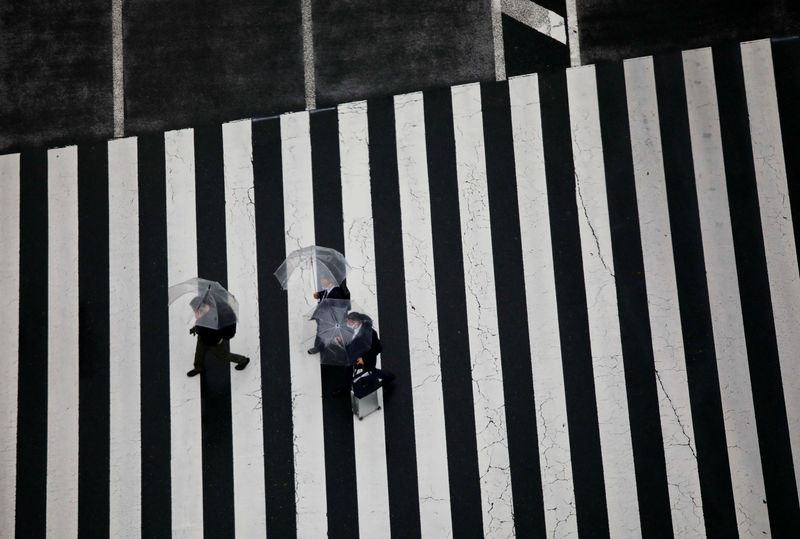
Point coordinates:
[[364, 394]]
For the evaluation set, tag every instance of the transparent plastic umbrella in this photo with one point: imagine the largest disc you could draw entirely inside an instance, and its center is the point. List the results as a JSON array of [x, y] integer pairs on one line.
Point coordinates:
[[212, 306], [323, 262], [327, 329]]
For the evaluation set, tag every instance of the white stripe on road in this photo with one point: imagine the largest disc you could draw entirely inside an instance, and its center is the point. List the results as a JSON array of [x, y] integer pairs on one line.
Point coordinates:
[[246, 399], [677, 430], [9, 339], [125, 462], [537, 17], [723, 294], [359, 245], [309, 447], [573, 38], [309, 79], [540, 291], [423, 326], [118, 71], [601, 303], [63, 347], [184, 393], [497, 36], [484, 344], [776, 225]]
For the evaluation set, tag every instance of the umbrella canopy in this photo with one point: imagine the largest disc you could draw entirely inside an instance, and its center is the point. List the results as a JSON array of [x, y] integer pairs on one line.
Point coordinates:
[[212, 306], [324, 263], [329, 330]]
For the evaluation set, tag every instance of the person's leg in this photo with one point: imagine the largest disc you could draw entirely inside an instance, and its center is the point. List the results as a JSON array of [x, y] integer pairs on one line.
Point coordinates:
[[346, 381], [222, 351], [199, 358]]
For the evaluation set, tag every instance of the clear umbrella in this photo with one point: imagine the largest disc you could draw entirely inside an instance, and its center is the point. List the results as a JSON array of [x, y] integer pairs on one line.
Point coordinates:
[[213, 306], [330, 329], [325, 264]]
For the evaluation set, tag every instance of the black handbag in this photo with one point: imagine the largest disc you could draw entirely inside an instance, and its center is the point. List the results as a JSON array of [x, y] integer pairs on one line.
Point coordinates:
[[365, 383]]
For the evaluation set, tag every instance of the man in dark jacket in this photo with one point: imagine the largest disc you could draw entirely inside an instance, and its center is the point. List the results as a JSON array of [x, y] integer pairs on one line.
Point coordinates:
[[330, 291], [211, 340]]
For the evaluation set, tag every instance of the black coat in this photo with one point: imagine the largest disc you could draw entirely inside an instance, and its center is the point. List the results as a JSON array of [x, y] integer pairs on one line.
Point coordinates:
[[335, 293], [370, 356], [211, 337]]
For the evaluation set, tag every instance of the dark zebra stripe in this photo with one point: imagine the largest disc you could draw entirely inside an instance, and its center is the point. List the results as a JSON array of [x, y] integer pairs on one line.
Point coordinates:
[[584, 432], [337, 416], [398, 409], [274, 331], [459, 412], [215, 387], [751, 267], [637, 346], [93, 323], [701, 368], [33, 323], [154, 332], [512, 312]]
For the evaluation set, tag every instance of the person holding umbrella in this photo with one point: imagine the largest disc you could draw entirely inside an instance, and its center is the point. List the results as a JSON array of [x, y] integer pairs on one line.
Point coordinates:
[[328, 291], [363, 349], [215, 316], [328, 269]]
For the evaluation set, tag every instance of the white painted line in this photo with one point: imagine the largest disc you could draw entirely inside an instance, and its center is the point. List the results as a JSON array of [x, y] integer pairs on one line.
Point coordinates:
[[484, 344], [309, 446], [125, 462], [680, 451], [246, 399], [537, 17], [308, 55], [601, 303], [118, 73], [776, 225], [62, 349], [184, 392], [540, 290], [497, 32], [423, 325], [573, 37], [9, 339], [723, 294], [359, 249]]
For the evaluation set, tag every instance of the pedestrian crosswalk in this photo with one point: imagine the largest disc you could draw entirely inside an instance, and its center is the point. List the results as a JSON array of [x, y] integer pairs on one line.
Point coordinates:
[[586, 282]]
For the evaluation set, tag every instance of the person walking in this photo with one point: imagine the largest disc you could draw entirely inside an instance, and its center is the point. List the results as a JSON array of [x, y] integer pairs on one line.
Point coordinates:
[[364, 348], [329, 290], [216, 341]]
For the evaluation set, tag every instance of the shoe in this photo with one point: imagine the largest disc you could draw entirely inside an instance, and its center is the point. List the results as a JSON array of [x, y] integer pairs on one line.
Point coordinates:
[[243, 364], [194, 372], [313, 350]]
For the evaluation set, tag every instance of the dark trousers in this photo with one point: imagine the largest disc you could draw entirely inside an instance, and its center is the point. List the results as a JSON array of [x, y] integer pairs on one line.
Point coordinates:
[[221, 350]]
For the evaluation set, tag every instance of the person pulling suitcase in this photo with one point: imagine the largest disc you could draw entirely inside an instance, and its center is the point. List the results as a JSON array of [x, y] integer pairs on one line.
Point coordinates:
[[363, 349]]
